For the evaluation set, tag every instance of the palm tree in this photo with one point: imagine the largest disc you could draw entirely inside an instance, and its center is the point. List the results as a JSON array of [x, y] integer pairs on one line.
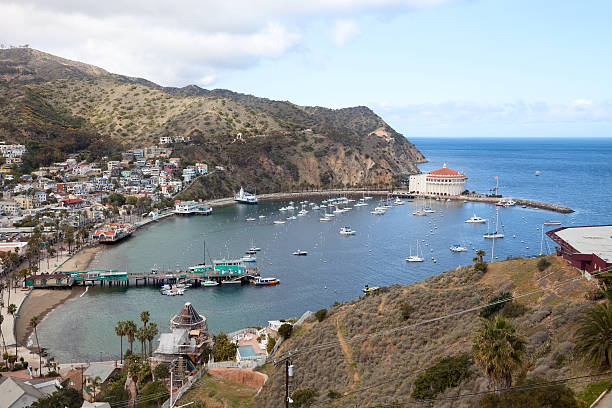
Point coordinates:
[[1, 333], [595, 336], [120, 331], [130, 332], [498, 349], [142, 337], [95, 382], [33, 323], [480, 254], [145, 317], [151, 331], [12, 309]]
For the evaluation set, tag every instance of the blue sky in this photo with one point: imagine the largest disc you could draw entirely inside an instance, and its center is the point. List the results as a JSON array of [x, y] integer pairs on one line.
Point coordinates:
[[429, 67]]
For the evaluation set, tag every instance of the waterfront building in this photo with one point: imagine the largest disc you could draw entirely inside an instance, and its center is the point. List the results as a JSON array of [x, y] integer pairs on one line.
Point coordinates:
[[440, 182], [19, 393], [587, 248]]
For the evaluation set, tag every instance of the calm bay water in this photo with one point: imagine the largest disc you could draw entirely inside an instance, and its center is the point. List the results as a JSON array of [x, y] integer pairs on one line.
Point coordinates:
[[574, 172]]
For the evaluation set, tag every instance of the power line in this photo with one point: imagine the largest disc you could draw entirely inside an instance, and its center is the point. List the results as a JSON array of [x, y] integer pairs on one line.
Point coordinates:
[[545, 384], [439, 318]]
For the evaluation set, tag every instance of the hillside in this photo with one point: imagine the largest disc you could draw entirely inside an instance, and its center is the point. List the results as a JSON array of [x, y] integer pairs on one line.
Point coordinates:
[[282, 145], [382, 369]]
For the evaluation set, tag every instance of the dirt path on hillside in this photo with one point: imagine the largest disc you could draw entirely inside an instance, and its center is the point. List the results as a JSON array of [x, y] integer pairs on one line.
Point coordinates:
[[348, 355]]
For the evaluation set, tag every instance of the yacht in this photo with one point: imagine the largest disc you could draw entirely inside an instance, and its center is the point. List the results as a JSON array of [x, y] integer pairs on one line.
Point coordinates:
[[300, 253], [416, 257], [245, 197], [248, 258], [398, 201], [254, 249], [457, 248], [476, 220], [347, 231], [494, 235]]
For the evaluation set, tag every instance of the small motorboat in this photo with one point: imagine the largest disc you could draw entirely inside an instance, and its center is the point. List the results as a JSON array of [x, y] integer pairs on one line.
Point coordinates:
[[323, 219], [300, 253], [347, 231], [419, 213], [262, 216], [210, 283], [474, 219], [250, 219], [278, 222], [248, 258], [398, 201], [457, 248], [265, 281], [293, 217], [255, 249]]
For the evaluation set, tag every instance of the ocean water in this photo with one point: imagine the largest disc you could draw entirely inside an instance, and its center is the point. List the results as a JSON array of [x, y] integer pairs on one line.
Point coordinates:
[[574, 172]]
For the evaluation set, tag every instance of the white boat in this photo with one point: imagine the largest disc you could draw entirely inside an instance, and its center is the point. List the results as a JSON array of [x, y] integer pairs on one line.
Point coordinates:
[[279, 222], [245, 197], [494, 235], [282, 209], [253, 248], [300, 253], [232, 281], [293, 217], [552, 222], [378, 211], [367, 198], [347, 231], [537, 173], [428, 210], [248, 258], [457, 248], [265, 281], [251, 219], [191, 208], [474, 219], [290, 207], [338, 211], [324, 219], [302, 213], [262, 216], [361, 204], [322, 206], [210, 283], [398, 201], [315, 207], [327, 215], [419, 213], [506, 202], [416, 257]]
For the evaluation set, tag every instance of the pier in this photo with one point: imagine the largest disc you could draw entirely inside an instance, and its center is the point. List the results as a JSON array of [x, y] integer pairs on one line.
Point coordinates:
[[487, 199], [119, 278]]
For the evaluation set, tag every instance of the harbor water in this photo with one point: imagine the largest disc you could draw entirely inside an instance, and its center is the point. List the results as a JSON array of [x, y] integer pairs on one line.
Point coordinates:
[[337, 267]]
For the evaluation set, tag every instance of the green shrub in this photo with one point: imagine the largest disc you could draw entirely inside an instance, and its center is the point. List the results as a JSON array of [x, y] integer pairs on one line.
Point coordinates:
[[271, 344], [491, 310], [304, 397], [543, 263], [407, 310], [448, 372], [285, 330], [153, 395], [557, 396], [333, 394], [224, 350], [321, 314], [480, 266], [161, 371], [513, 309]]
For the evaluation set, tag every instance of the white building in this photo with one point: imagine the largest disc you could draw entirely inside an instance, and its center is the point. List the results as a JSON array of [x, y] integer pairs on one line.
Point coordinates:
[[12, 150], [441, 182]]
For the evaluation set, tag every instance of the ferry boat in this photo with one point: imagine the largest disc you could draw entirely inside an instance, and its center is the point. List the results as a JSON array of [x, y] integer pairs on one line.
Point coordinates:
[[347, 231], [476, 220], [245, 197], [300, 253], [265, 281], [191, 208], [457, 248]]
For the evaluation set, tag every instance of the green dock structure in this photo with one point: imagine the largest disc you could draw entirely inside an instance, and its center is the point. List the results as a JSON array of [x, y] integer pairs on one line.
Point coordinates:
[[219, 271]]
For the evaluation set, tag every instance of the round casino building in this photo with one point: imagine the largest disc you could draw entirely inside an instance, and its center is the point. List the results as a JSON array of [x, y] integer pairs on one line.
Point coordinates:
[[441, 182]]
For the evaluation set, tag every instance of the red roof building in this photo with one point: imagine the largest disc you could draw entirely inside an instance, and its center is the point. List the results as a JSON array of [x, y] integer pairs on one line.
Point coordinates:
[[440, 182], [587, 248]]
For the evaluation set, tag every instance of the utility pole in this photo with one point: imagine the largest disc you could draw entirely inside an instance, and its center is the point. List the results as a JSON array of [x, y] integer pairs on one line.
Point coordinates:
[[288, 374]]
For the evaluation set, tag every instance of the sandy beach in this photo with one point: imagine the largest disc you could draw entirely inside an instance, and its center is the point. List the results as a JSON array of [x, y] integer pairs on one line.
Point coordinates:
[[81, 260], [39, 303]]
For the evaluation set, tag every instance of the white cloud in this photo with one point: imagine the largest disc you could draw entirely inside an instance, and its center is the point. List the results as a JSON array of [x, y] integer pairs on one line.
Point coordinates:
[[452, 113], [176, 43], [343, 31]]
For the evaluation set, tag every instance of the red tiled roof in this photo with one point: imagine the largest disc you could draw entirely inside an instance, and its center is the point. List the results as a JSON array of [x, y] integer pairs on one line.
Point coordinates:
[[444, 172]]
